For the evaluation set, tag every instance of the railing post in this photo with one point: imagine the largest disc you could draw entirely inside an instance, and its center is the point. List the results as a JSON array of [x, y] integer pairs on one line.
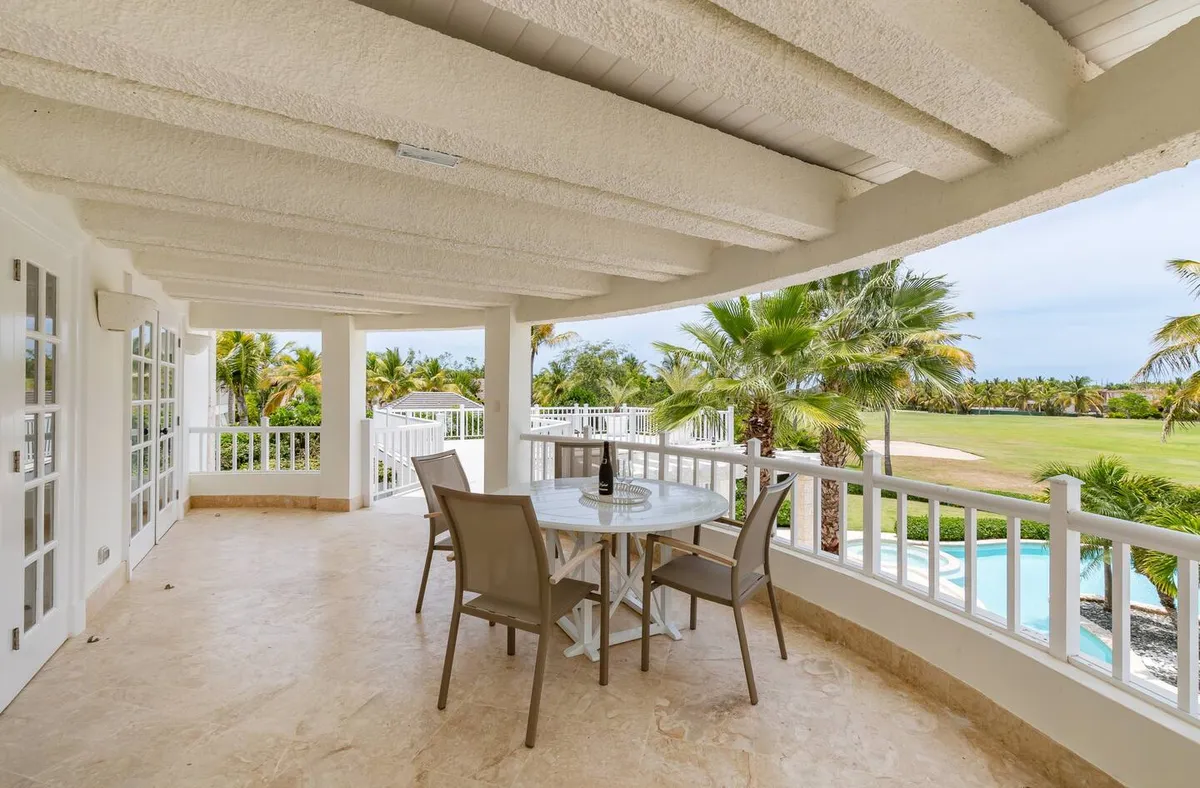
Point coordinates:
[[728, 437], [872, 513], [1187, 636], [753, 452], [264, 445], [1064, 567], [369, 470], [587, 421], [462, 423], [587, 432], [662, 455]]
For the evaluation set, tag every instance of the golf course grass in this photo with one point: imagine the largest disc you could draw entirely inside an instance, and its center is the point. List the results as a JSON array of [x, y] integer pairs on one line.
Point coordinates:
[[1013, 447]]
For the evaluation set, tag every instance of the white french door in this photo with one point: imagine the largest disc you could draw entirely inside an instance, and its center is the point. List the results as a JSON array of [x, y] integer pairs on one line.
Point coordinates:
[[32, 528], [153, 421]]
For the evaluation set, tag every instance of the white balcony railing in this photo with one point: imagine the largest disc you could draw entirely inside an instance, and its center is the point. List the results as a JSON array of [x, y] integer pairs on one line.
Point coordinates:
[[261, 449], [922, 569], [620, 423], [390, 450]]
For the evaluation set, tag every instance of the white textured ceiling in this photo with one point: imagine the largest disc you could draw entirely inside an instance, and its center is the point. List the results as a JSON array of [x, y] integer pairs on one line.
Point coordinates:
[[613, 152]]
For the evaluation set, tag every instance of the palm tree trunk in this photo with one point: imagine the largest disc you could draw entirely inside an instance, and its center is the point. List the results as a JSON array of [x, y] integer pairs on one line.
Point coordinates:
[[834, 452], [230, 410], [887, 440], [244, 412], [761, 424], [1108, 581]]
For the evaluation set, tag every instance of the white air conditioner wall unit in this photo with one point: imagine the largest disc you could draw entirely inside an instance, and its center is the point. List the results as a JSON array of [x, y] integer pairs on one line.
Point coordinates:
[[124, 311]]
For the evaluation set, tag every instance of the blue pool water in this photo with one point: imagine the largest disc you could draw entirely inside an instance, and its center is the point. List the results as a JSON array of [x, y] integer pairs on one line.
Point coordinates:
[[991, 584]]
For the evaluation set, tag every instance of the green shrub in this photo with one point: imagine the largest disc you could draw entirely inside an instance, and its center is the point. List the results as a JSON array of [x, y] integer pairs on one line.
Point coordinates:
[[1131, 406], [953, 529]]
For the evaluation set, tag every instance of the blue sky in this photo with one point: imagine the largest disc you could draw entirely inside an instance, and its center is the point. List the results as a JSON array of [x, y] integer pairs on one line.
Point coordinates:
[[1075, 291]]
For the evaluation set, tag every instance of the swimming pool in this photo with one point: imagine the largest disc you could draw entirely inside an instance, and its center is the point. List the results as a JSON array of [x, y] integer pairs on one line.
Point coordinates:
[[991, 583]]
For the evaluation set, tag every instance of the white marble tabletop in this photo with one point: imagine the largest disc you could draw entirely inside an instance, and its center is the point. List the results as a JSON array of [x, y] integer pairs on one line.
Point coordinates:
[[560, 504]]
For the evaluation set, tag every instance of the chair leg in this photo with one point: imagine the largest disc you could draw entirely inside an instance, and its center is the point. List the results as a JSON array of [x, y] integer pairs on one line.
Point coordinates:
[[692, 621], [449, 663], [512, 641], [605, 607], [425, 574], [778, 623], [741, 630], [535, 700], [647, 602]]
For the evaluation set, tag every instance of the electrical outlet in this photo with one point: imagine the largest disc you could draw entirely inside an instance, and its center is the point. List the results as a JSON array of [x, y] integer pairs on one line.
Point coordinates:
[[102, 554]]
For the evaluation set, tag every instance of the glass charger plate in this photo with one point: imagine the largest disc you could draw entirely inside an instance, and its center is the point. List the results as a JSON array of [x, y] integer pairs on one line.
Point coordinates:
[[624, 494]]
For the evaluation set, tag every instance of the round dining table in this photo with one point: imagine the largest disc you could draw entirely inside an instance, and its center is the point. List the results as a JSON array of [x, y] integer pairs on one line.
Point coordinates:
[[573, 523]]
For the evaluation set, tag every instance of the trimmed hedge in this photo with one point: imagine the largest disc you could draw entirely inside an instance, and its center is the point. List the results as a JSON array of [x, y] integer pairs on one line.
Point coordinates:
[[953, 529]]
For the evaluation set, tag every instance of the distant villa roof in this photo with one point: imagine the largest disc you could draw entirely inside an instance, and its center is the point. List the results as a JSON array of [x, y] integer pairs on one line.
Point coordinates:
[[432, 399]]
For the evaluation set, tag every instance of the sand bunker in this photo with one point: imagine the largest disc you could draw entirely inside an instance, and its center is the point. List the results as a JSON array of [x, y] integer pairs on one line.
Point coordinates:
[[914, 449]]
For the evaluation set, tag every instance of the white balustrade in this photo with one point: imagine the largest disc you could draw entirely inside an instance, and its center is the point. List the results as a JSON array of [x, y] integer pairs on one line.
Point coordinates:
[[389, 470], [261, 449], [726, 471]]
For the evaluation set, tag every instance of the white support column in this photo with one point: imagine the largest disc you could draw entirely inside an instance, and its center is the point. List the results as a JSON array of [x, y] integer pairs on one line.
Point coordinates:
[[507, 370], [343, 408]]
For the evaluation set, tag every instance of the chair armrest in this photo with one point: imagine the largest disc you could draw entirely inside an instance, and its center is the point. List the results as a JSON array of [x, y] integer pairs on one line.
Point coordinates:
[[695, 549], [432, 515], [728, 521], [577, 561]]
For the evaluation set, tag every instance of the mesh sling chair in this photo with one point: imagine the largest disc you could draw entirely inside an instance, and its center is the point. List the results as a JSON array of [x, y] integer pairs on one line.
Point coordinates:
[[441, 470], [729, 581], [578, 459], [500, 555]]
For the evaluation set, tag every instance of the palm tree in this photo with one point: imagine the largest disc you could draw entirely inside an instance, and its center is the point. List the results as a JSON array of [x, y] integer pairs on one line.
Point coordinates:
[[388, 376], [468, 383], [678, 373], [1022, 392], [1113, 489], [242, 358], [296, 372], [1177, 351], [432, 375], [760, 355], [552, 384], [1078, 392], [1161, 568], [621, 393], [543, 335]]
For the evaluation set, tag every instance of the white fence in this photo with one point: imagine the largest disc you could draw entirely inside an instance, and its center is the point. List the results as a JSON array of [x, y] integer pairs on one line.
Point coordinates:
[[620, 423], [390, 450], [262, 449], [924, 570]]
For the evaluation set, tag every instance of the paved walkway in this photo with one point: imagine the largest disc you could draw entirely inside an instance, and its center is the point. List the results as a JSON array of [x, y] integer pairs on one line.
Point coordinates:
[[287, 654]]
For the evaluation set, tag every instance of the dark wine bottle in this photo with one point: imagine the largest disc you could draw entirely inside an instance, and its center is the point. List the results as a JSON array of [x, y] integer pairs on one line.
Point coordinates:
[[606, 473]]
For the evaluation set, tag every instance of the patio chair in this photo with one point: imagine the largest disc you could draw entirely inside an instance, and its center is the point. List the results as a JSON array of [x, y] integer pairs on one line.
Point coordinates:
[[578, 459], [729, 581], [445, 470], [500, 555]]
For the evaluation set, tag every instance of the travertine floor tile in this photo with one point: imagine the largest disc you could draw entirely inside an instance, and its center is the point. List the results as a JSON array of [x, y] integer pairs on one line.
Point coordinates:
[[287, 655]]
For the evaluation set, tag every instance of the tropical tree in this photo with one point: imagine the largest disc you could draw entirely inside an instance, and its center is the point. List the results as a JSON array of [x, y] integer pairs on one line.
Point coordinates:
[[291, 377], [1078, 393], [1113, 489], [1022, 393], [678, 373], [389, 376], [1161, 568], [1177, 352], [544, 335], [241, 359], [431, 374], [621, 393], [761, 355], [552, 384]]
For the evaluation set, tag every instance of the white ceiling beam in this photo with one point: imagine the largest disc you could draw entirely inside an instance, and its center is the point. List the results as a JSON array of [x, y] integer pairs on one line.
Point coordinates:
[[992, 68], [223, 315], [704, 46], [44, 136], [122, 225], [346, 66], [103, 91], [1125, 125], [114, 195], [238, 270], [251, 299]]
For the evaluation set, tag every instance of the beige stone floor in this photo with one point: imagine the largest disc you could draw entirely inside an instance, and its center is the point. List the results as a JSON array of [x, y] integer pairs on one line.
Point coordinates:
[[287, 654]]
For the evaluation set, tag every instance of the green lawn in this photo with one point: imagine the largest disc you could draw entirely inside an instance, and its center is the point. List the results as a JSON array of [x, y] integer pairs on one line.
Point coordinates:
[[1013, 446]]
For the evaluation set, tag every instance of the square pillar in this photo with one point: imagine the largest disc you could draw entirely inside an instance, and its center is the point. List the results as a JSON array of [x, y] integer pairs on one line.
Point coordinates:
[[343, 408], [507, 394]]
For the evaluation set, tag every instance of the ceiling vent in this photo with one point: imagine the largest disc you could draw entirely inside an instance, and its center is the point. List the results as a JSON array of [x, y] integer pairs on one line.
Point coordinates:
[[426, 155]]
